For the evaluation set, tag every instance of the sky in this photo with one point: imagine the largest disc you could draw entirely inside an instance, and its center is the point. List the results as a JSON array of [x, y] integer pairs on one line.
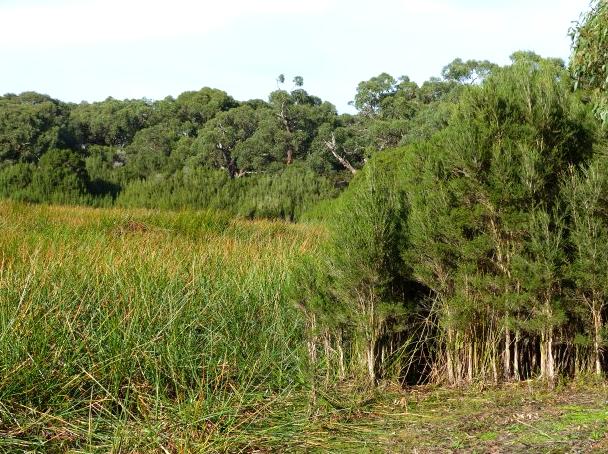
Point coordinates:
[[78, 50]]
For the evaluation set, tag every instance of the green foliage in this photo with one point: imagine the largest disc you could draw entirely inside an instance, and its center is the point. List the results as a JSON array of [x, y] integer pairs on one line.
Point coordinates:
[[372, 93], [29, 125], [222, 143], [195, 108], [469, 72], [149, 152], [283, 195], [126, 319], [585, 193], [15, 180], [486, 231], [111, 122], [61, 176], [354, 296], [137, 145], [589, 51]]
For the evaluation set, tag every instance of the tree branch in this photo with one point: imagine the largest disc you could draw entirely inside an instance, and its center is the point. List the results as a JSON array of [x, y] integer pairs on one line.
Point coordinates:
[[332, 147]]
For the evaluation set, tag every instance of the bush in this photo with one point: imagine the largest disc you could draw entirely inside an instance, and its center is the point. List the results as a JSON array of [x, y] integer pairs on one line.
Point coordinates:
[[15, 181], [61, 177], [284, 195]]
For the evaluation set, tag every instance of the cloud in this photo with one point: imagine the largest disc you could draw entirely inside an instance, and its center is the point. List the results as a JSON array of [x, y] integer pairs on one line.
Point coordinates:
[[71, 22]]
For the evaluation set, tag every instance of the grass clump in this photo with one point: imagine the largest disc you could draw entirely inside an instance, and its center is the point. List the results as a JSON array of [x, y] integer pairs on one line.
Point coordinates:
[[136, 330]]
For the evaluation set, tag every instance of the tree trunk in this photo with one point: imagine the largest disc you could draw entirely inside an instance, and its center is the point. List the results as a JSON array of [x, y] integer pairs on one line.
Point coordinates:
[[470, 363], [232, 168], [370, 362], [370, 333], [341, 370], [597, 338], [550, 358], [543, 355], [327, 350], [516, 373], [449, 358], [547, 362], [333, 148], [506, 363], [289, 156]]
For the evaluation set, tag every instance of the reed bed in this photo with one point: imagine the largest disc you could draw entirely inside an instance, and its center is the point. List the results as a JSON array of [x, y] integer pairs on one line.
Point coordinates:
[[147, 331]]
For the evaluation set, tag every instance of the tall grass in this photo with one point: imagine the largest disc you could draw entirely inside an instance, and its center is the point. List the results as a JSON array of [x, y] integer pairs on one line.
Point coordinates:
[[134, 330]]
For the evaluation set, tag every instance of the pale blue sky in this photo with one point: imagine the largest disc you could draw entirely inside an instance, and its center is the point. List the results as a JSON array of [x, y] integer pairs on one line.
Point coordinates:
[[90, 49]]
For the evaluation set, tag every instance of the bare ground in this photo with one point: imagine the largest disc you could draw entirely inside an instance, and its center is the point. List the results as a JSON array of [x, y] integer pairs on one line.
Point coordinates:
[[525, 417]]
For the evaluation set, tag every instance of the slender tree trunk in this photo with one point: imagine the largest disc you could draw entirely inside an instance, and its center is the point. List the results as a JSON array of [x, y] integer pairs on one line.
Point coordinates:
[[597, 338], [370, 362], [333, 148], [516, 373], [543, 355], [533, 360], [371, 333], [550, 358], [476, 362], [449, 352], [289, 156], [507, 354], [547, 362], [470, 363]]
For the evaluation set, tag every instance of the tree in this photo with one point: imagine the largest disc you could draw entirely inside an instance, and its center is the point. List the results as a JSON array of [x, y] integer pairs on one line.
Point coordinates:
[[586, 193], [110, 122], [371, 93], [280, 80], [61, 176], [468, 72], [538, 269], [30, 124], [195, 108], [487, 195], [15, 180], [589, 51], [149, 152], [337, 146], [364, 265], [297, 117], [221, 142]]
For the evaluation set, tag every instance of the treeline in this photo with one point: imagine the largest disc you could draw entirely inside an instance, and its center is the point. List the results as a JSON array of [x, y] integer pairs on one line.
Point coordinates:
[[479, 254], [204, 149]]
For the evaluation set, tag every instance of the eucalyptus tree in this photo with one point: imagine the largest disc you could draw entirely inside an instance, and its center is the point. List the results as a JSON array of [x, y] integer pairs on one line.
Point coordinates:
[[296, 119], [149, 152], [111, 122], [221, 143], [31, 124], [589, 53], [468, 72], [195, 108]]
